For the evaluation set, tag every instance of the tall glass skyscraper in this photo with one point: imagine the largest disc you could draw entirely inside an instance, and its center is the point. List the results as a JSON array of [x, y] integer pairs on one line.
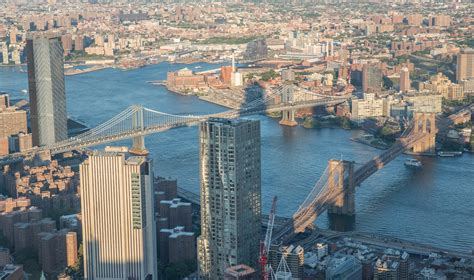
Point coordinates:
[[46, 89], [118, 224], [230, 195]]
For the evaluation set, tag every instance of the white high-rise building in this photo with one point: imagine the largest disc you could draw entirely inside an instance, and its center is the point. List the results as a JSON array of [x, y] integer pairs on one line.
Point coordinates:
[[118, 224], [230, 196]]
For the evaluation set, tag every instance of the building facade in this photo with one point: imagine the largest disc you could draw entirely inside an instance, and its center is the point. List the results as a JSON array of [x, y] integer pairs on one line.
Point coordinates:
[[424, 102], [118, 224], [405, 80], [230, 195], [369, 106], [46, 89], [442, 85], [371, 78], [465, 65]]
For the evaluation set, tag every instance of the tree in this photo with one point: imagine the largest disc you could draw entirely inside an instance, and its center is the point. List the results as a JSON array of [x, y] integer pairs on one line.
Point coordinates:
[[79, 265], [269, 75]]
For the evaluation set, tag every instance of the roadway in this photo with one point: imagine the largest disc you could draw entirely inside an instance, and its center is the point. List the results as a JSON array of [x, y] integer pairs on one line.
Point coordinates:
[[378, 241]]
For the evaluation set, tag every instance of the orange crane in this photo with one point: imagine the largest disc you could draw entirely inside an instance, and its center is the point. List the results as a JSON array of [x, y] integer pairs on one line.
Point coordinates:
[[265, 244]]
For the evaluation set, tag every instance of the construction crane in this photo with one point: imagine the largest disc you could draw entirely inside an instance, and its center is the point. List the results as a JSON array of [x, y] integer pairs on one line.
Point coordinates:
[[265, 244]]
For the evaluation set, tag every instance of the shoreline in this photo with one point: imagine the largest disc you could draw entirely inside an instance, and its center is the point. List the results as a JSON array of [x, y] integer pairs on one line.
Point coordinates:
[[74, 72], [12, 65]]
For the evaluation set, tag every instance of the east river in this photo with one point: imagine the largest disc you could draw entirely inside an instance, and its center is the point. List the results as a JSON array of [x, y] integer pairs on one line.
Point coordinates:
[[434, 206]]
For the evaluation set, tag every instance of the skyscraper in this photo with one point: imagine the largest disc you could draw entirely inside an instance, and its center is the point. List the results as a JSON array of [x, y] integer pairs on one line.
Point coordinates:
[[118, 220], [46, 88], [371, 78], [465, 65], [404, 80], [230, 195]]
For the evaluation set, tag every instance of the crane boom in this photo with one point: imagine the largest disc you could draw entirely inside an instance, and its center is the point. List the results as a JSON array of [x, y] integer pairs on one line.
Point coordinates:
[[271, 221], [265, 245]]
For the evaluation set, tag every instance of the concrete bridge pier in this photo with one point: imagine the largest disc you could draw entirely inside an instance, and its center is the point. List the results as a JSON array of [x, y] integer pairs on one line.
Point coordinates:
[[425, 123], [341, 183], [288, 118], [138, 146]]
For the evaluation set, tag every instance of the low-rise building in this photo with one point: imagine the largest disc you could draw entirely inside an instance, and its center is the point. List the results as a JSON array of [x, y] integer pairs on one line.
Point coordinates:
[[344, 268], [176, 245], [370, 106], [425, 101], [185, 79], [440, 84], [294, 257]]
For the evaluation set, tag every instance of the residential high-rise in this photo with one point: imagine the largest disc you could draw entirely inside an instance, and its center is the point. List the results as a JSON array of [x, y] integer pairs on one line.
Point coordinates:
[[118, 224], [46, 89], [371, 78], [230, 195], [12, 123], [465, 65], [57, 250], [404, 80]]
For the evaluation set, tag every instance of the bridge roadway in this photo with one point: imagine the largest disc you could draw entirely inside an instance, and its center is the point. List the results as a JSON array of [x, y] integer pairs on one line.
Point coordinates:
[[325, 196], [180, 121]]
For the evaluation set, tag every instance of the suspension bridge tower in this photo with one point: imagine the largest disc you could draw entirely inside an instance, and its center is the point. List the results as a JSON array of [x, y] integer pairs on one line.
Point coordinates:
[[425, 123], [138, 124], [341, 185], [288, 116]]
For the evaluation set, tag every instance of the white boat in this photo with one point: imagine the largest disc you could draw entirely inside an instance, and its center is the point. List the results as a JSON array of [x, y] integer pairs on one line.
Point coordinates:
[[413, 163], [198, 67], [449, 154]]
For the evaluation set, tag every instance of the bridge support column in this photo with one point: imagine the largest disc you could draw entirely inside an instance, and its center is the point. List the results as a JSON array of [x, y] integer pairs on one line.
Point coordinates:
[[288, 118], [425, 123], [341, 181], [138, 146]]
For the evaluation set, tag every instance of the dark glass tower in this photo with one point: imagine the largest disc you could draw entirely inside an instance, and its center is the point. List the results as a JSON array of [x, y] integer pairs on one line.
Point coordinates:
[[46, 89]]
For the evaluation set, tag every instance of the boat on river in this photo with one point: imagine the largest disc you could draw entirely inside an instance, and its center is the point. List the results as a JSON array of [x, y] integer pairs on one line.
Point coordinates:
[[413, 163], [449, 154]]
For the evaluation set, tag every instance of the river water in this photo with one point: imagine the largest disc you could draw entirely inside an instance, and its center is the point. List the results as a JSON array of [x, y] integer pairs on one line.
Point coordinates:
[[433, 206]]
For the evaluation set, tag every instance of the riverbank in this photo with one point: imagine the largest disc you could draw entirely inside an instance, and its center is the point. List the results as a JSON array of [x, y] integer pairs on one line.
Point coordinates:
[[371, 140], [76, 71], [12, 65], [231, 98]]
